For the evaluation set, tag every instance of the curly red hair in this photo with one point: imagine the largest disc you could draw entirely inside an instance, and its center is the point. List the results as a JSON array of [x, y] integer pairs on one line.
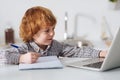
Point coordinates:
[[34, 19]]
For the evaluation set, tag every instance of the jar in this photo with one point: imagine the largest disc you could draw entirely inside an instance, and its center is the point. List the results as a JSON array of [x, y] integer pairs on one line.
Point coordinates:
[[9, 35]]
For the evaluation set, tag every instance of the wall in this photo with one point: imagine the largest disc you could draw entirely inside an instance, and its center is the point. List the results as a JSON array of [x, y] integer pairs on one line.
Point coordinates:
[[11, 13]]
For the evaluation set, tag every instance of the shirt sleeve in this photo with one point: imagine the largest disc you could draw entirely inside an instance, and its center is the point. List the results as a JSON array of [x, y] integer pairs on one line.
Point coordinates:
[[12, 54], [83, 52]]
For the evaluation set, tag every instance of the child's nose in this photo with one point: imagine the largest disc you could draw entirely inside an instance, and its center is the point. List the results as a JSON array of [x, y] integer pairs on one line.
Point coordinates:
[[51, 33]]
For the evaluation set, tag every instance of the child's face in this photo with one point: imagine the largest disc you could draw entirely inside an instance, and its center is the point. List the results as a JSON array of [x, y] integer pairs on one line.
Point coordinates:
[[44, 36]]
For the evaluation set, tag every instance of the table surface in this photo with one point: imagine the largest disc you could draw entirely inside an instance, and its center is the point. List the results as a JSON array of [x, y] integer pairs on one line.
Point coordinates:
[[11, 72]]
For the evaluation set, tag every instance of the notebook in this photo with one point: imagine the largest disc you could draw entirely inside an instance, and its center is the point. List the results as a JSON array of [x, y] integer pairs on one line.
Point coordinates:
[[46, 62], [111, 61]]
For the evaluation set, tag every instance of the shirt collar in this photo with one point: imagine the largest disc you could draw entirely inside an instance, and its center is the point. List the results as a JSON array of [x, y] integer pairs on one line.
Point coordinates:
[[37, 48]]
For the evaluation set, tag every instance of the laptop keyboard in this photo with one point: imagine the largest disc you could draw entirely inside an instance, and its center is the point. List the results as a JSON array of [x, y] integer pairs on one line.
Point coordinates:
[[95, 65]]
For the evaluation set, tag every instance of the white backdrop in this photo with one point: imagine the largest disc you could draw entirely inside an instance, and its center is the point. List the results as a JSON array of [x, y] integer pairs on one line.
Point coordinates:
[[11, 12]]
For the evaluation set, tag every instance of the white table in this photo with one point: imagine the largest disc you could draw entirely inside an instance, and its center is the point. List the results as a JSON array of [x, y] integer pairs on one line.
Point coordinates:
[[11, 72]]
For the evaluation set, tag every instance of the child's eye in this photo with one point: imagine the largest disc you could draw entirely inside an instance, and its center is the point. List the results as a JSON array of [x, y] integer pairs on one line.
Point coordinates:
[[53, 28], [49, 30], [46, 30]]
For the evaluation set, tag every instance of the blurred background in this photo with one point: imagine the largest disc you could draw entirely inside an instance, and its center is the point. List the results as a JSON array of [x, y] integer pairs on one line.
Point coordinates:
[[89, 21]]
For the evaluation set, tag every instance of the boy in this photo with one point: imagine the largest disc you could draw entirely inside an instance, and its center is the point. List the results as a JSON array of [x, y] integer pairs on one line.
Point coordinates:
[[37, 32]]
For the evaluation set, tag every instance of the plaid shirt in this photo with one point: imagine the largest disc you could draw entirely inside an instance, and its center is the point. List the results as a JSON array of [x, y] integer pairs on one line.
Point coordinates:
[[56, 48]]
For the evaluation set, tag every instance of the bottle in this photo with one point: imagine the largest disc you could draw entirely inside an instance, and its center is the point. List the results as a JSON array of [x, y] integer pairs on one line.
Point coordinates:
[[106, 33], [9, 35]]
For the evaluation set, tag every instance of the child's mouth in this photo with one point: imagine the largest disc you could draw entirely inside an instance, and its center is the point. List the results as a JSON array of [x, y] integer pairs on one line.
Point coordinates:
[[49, 39]]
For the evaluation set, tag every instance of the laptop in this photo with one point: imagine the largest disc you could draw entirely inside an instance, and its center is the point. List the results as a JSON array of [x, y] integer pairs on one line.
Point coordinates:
[[111, 61]]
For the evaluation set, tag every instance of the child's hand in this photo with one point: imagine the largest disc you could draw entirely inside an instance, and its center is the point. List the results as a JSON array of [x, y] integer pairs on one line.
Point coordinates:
[[102, 54], [30, 57]]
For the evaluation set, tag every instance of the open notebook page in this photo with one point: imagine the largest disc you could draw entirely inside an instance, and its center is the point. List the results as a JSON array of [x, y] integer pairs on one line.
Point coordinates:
[[46, 62]]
